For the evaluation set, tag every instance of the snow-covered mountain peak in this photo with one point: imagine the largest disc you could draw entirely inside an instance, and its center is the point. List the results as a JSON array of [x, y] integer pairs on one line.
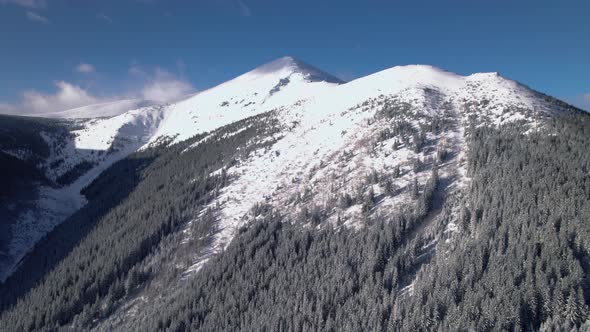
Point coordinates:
[[288, 65], [283, 63], [422, 69], [411, 75], [275, 85], [420, 76], [485, 75]]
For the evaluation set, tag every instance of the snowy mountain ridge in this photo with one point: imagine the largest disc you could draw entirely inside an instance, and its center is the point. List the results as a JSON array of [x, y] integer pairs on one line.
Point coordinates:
[[291, 65], [274, 85], [335, 130], [339, 139], [101, 110]]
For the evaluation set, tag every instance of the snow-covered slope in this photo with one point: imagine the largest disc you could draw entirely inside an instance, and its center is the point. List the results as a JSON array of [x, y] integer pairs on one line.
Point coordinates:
[[344, 133], [338, 133], [272, 86], [349, 153], [101, 136], [101, 110], [73, 163]]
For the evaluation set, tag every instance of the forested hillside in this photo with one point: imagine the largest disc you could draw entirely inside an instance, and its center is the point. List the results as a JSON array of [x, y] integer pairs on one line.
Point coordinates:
[[23, 156], [23, 150], [412, 199], [520, 261], [77, 274]]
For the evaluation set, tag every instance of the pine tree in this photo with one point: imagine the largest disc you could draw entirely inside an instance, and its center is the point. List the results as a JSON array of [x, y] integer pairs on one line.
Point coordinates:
[[575, 308], [396, 172], [414, 188], [389, 187]]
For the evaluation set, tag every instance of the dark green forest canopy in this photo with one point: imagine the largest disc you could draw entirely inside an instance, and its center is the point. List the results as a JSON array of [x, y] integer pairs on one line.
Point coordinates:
[[519, 263]]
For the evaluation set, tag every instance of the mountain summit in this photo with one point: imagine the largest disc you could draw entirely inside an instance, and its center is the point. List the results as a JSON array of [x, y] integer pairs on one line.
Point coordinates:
[[290, 64]]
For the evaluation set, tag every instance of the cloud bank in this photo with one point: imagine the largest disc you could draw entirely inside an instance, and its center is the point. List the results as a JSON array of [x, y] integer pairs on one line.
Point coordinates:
[[157, 85], [66, 97]]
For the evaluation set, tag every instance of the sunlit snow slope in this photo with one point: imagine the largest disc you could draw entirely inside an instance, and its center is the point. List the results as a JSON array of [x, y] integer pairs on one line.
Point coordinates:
[[338, 134], [343, 133], [272, 86], [96, 143]]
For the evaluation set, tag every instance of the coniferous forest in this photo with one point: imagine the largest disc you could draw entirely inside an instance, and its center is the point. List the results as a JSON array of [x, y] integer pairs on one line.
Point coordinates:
[[520, 261], [77, 273], [520, 264], [294, 166]]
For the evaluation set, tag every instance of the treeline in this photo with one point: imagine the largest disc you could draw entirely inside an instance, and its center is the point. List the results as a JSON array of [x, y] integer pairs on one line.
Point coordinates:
[[80, 271]]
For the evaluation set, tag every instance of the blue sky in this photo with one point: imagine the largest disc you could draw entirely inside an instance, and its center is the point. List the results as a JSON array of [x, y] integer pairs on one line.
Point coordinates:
[[62, 53]]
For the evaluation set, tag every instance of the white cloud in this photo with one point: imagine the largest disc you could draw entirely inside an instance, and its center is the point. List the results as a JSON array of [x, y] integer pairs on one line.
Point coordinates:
[[35, 4], [244, 9], [164, 86], [104, 17], [67, 96], [85, 68], [36, 17], [157, 85], [8, 109]]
